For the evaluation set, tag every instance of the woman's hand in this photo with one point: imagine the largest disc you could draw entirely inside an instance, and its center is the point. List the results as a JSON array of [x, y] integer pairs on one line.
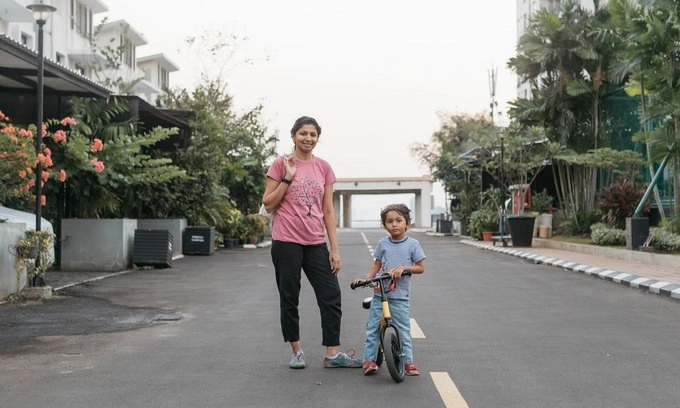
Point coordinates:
[[289, 165], [334, 259]]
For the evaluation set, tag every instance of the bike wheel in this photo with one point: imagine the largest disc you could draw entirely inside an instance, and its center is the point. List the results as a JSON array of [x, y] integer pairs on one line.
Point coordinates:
[[394, 354]]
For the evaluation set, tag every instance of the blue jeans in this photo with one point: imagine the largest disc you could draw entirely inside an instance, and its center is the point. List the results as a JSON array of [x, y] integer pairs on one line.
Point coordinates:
[[400, 311]]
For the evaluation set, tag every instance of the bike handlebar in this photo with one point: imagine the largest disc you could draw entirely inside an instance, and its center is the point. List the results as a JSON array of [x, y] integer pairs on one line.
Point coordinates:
[[367, 282]]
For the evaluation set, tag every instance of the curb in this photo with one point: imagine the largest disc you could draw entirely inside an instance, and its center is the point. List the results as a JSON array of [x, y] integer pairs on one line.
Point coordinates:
[[653, 286]]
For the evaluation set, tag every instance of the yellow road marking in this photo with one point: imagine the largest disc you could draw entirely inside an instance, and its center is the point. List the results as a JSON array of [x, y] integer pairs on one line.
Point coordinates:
[[448, 391], [416, 333]]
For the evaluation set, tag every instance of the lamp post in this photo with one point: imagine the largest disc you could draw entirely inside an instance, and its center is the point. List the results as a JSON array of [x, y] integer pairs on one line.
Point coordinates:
[[41, 12], [502, 179]]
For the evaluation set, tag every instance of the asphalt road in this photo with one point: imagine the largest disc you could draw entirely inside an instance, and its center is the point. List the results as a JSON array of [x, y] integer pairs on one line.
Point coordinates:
[[205, 333]]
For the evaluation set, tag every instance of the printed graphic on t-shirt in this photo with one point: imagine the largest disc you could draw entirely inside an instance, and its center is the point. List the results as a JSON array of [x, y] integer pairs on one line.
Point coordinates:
[[307, 192]]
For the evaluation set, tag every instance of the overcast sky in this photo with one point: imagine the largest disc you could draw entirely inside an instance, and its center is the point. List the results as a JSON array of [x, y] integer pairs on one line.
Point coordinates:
[[374, 73]]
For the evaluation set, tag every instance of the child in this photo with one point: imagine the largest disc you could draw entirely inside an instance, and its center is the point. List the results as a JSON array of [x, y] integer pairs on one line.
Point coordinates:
[[393, 255]]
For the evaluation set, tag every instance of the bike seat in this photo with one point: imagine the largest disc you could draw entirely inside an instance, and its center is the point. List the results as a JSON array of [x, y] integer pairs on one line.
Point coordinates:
[[367, 302]]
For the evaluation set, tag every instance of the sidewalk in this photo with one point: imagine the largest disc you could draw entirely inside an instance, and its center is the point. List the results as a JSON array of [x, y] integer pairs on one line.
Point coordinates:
[[655, 273]]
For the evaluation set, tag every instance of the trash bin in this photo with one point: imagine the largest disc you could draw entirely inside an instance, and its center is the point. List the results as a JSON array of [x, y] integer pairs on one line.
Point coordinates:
[[152, 248], [198, 241], [444, 226]]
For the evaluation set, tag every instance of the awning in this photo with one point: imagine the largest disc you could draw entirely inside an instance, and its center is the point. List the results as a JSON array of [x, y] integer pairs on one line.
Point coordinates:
[[18, 73], [12, 11]]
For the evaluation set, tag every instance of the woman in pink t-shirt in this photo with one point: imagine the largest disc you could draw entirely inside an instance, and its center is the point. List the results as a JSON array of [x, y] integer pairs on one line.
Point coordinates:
[[300, 192]]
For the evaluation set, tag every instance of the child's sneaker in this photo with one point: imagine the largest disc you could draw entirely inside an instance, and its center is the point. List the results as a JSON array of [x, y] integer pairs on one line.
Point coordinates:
[[411, 369], [297, 360], [342, 360], [369, 367]]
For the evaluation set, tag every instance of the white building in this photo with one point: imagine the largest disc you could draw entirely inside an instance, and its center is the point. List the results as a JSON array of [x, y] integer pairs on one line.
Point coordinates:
[[66, 41]]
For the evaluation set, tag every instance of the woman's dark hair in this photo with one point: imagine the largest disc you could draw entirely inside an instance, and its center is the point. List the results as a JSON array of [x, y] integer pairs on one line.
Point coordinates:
[[305, 120], [402, 209]]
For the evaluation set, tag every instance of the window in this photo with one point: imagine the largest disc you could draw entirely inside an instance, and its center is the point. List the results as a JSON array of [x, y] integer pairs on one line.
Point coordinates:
[[81, 18], [26, 40], [128, 55], [60, 59], [163, 77]]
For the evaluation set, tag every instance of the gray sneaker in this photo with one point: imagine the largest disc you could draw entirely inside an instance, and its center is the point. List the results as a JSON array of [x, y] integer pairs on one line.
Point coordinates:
[[342, 360], [297, 360]]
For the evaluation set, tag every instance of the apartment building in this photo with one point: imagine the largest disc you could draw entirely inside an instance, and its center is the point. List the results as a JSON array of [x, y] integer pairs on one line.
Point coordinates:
[[67, 41], [525, 9]]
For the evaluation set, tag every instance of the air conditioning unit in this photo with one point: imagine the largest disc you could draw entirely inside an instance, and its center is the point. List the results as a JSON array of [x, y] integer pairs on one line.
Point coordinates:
[[198, 241], [152, 248]]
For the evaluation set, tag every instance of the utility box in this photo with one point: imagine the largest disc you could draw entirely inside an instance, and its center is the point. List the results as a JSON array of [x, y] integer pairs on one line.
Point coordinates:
[[198, 241], [152, 248]]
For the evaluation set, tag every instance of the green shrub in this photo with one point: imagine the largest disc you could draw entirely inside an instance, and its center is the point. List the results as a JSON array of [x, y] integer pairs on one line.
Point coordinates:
[[619, 201], [483, 220], [671, 225], [601, 234], [580, 223], [541, 201], [664, 240]]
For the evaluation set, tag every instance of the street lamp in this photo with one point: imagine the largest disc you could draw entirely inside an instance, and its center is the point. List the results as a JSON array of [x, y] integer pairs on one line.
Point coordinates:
[[502, 179], [41, 12]]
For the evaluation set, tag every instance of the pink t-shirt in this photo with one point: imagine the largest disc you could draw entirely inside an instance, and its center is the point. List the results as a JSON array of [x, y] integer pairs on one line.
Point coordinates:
[[299, 217]]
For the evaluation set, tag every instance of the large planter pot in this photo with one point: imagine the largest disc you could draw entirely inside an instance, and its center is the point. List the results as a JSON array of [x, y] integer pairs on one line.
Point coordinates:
[[10, 233], [637, 231], [486, 235], [521, 230], [97, 244]]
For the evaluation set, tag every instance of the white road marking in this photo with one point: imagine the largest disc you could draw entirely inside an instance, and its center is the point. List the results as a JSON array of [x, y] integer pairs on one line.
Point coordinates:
[[448, 391], [416, 333], [368, 244]]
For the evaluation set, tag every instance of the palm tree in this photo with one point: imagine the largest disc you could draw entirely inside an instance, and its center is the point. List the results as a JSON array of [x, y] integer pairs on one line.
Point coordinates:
[[629, 19]]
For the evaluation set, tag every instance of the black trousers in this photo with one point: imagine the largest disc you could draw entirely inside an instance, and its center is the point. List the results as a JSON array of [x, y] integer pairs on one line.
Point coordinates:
[[290, 259]]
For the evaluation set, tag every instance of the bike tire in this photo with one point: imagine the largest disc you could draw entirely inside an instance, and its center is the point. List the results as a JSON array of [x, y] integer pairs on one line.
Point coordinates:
[[379, 357], [394, 355]]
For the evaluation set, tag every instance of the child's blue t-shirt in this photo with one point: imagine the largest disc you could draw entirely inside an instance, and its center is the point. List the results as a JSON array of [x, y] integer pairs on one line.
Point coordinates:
[[394, 254]]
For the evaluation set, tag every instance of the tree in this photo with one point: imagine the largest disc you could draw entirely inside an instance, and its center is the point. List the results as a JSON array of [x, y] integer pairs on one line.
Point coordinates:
[[566, 56], [226, 161]]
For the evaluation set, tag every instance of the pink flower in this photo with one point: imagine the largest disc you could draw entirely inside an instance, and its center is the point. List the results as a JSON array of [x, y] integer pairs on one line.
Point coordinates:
[[98, 165], [97, 146], [62, 175], [22, 174], [59, 136], [25, 133], [44, 130], [68, 121], [45, 175]]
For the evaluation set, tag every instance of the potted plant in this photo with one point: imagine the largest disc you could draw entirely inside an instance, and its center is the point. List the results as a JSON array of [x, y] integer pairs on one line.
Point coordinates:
[[483, 223], [256, 225], [32, 251], [234, 227]]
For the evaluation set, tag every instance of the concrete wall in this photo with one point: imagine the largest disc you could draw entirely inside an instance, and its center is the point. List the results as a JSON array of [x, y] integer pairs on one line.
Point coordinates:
[[97, 244], [10, 233], [175, 226]]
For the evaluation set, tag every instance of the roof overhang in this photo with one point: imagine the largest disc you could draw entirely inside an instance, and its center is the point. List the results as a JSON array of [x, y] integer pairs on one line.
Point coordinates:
[[18, 73], [12, 11], [162, 60]]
